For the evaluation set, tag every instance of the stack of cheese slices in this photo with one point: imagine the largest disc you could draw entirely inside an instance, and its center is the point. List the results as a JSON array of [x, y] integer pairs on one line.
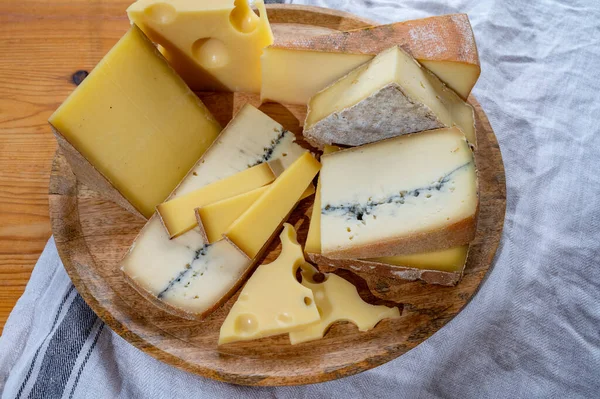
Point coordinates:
[[397, 188]]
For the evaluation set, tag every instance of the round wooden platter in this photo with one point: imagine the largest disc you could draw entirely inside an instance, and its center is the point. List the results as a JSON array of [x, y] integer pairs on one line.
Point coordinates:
[[93, 234]]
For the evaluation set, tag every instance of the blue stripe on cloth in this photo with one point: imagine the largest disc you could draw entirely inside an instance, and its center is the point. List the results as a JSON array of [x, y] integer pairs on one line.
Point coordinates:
[[63, 350], [87, 357]]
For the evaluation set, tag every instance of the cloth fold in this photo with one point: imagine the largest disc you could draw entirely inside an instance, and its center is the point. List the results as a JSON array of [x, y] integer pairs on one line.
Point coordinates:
[[533, 328]]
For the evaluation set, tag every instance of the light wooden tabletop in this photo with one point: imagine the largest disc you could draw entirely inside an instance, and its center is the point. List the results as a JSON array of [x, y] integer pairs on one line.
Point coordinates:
[[42, 44]]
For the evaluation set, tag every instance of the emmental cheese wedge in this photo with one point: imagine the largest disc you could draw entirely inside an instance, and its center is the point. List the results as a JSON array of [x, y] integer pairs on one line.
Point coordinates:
[[214, 219], [338, 300], [418, 194], [253, 228], [272, 302], [389, 96], [132, 129], [214, 45], [444, 267], [185, 275], [445, 45], [178, 214]]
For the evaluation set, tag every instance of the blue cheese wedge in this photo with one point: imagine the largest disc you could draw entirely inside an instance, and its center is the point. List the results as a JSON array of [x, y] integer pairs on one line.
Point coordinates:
[[187, 276], [410, 194], [389, 96]]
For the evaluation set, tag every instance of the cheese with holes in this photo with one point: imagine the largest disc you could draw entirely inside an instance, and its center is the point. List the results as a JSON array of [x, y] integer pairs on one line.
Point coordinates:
[[389, 96], [132, 129], [338, 300], [178, 214], [272, 301], [215, 45], [253, 228], [183, 275], [409, 194], [445, 45], [214, 219]]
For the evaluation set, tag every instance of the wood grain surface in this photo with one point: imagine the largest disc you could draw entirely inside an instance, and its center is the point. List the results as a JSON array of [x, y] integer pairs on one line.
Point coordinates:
[[93, 234]]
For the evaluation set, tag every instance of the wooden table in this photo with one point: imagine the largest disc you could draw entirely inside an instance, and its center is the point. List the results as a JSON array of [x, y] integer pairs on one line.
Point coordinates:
[[42, 45]]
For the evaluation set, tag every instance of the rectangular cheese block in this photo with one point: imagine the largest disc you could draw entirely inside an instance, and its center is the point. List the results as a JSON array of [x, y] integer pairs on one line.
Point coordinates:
[[251, 230], [389, 96], [214, 219], [214, 45], [132, 129], [272, 301], [157, 265], [445, 45], [178, 214], [410, 194]]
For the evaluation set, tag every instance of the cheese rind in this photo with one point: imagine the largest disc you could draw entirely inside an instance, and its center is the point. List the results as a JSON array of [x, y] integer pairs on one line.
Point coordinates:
[[445, 44], [251, 230], [154, 260], [418, 194], [272, 301], [338, 300], [137, 124], [389, 96], [178, 215], [214, 45]]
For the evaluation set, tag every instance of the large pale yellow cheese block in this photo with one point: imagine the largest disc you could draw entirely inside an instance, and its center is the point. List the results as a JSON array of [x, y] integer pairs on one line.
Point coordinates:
[[133, 129], [389, 96], [252, 229], [272, 302], [443, 44], [178, 214], [338, 300], [214, 45]]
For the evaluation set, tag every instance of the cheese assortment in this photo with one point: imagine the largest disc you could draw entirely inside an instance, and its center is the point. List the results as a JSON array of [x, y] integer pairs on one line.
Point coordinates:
[[407, 97], [397, 192], [445, 45]]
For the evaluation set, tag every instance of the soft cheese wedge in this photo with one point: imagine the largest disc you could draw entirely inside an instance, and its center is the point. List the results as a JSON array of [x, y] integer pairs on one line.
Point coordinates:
[[389, 96], [214, 45], [185, 275], [444, 267], [410, 194], [445, 45], [272, 302], [338, 300], [132, 129], [178, 214]]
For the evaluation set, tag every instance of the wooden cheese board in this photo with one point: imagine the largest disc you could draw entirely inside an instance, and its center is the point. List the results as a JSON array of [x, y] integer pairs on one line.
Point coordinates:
[[92, 235]]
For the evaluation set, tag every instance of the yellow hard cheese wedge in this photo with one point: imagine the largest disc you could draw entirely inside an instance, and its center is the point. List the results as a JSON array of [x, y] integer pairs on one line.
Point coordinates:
[[132, 129], [178, 215], [253, 228], [272, 301], [338, 300], [213, 44], [214, 219], [448, 260]]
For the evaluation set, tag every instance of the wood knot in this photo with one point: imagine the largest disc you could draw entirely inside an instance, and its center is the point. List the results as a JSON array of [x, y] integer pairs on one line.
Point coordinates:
[[79, 76]]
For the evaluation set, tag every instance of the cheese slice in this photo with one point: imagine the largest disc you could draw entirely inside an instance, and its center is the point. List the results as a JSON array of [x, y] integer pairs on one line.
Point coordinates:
[[447, 260], [272, 302], [253, 228], [389, 96], [214, 219], [338, 300], [178, 214], [214, 45], [154, 264], [417, 194], [132, 129], [445, 45]]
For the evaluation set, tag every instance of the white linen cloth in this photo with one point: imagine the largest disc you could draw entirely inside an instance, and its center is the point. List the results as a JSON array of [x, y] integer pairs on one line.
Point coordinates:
[[533, 330]]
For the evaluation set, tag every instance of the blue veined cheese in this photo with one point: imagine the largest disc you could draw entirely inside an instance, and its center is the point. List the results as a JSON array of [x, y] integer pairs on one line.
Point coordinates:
[[410, 194], [185, 275]]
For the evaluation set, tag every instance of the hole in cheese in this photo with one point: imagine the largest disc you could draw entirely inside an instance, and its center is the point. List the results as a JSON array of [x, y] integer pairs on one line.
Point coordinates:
[[307, 301], [242, 18], [285, 319], [161, 13], [210, 53], [246, 324]]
